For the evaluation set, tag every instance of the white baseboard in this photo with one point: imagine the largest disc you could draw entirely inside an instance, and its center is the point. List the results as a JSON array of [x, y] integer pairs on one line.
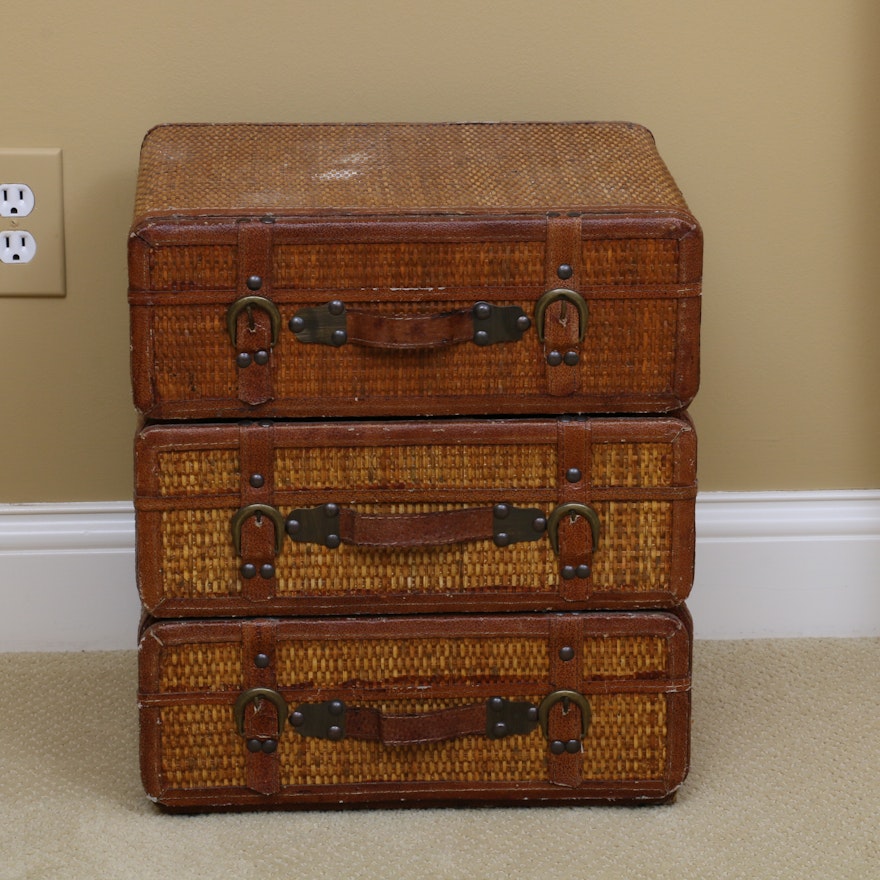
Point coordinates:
[[769, 565]]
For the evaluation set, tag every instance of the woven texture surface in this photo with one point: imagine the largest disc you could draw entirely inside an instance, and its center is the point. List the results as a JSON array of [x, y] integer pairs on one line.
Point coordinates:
[[634, 553], [193, 358], [782, 787], [627, 737], [400, 168]]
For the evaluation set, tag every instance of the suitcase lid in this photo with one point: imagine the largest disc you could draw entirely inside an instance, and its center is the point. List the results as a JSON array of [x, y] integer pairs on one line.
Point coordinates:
[[201, 170]]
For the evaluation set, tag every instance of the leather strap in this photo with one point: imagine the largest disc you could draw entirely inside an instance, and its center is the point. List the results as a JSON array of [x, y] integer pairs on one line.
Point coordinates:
[[254, 326], [561, 323], [258, 538], [409, 331], [415, 529], [258, 640], [575, 536], [427, 727], [566, 673]]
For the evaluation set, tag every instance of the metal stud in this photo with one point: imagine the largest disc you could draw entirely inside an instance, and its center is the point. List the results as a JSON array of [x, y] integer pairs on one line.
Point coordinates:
[[269, 746], [297, 719], [333, 541], [331, 509], [296, 324], [523, 322], [496, 704], [254, 745], [557, 747], [571, 358], [257, 481], [502, 539], [336, 307], [573, 746], [336, 707], [248, 571], [554, 359], [532, 713], [481, 337], [338, 337], [293, 526], [568, 572], [501, 511], [267, 571], [254, 282], [539, 524], [566, 653], [573, 475], [261, 357], [499, 729], [565, 271], [243, 359], [482, 310], [261, 661], [334, 734], [582, 571]]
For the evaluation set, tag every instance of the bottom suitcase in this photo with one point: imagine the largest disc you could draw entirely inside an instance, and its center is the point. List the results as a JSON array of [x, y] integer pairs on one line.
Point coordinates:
[[384, 711]]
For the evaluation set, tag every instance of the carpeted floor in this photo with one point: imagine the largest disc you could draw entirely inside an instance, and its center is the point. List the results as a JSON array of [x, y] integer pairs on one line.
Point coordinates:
[[784, 783]]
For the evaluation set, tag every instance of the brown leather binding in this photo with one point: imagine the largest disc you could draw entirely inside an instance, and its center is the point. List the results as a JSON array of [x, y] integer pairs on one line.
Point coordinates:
[[409, 331]]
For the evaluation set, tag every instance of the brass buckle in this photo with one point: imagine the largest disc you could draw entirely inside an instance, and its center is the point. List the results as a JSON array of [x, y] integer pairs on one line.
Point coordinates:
[[569, 296], [255, 510], [252, 302], [259, 693], [573, 508], [552, 699]]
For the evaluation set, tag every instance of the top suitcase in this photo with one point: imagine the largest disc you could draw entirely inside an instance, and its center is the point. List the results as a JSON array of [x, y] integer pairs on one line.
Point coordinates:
[[410, 269]]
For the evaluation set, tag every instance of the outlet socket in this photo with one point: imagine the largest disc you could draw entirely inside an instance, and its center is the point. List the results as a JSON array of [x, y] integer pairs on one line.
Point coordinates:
[[31, 223]]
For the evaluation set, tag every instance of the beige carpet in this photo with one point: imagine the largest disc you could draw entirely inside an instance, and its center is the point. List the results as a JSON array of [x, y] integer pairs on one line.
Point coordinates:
[[785, 782]]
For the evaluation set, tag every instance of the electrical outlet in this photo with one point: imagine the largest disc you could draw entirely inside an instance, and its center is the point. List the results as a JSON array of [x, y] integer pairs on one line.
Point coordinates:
[[17, 247], [16, 200], [31, 223]]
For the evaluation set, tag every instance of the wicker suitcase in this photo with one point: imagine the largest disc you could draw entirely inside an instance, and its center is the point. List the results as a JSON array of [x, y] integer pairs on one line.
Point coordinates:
[[410, 269], [329, 712], [415, 515]]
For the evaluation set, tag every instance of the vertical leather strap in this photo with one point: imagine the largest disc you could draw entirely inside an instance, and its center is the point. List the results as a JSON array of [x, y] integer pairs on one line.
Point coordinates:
[[258, 538], [566, 673], [258, 641], [575, 538], [561, 323], [254, 325]]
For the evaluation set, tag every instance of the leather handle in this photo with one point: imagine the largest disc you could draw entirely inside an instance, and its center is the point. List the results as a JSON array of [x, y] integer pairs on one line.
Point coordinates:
[[332, 525], [495, 718], [336, 324]]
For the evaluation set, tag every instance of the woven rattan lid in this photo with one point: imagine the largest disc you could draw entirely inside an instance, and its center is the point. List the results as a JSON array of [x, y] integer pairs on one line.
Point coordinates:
[[196, 169]]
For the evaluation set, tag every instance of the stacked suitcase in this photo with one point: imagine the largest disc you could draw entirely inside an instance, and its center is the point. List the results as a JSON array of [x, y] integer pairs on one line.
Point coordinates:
[[415, 481]]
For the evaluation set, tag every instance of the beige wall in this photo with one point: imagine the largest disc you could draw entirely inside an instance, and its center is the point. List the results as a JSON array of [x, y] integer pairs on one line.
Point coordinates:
[[765, 110]]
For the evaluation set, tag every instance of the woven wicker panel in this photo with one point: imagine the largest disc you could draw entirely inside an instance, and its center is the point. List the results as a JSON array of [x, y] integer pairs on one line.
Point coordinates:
[[409, 264], [198, 472], [417, 468], [439, 466], [629, 261], [632, 464], [193, 267], [634, 553], [628, 657], [351, 265], [200, 748], [626, 740], [197, 554], [197, 666], [401, 167], [635, 547], [628, 347], [380, 663]]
